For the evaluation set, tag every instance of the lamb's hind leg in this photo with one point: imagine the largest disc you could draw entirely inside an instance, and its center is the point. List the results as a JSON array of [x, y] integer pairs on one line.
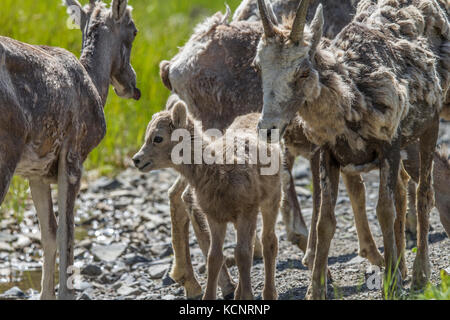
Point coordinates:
[[425, 202], [42, 198], [201, 230], [182, 270], [357, 193]]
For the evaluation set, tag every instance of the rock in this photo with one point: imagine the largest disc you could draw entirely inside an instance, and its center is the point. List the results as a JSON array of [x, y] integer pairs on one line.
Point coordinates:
[[356, 260], [125, 290], [167, 280], [22, 242], [169, 297], [105, 184], [133, 259], [6, 237], [14, 293], [5, 247], [157, 271], [91, 270], [85, 296], [108, 253]]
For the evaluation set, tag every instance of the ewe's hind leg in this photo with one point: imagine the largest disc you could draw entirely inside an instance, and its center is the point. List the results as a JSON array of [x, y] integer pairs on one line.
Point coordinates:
[[201, 230], [10, 153], [389, 171], [399, 226], [215, 258], [42, 198], [411, 217], [182, 270], [296, 229], [269, 212], [357, 193], [245, 233], [425, 202], [326, 226], [308, 259]]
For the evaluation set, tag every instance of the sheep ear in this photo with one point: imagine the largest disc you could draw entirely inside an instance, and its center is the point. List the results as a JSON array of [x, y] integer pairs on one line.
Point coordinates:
[[164, 70], [76, 12], [119, 8], [179, 115], [317, 30]]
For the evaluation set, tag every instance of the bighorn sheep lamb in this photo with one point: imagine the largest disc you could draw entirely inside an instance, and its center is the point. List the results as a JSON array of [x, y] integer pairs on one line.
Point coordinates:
[[387, 76], [52, 117], [227, 191]]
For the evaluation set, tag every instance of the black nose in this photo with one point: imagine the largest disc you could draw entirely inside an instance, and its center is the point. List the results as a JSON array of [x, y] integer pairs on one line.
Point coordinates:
[[136, 162]]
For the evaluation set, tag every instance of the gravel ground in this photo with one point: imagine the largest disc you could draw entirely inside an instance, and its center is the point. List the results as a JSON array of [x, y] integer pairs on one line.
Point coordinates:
[[123, 246]]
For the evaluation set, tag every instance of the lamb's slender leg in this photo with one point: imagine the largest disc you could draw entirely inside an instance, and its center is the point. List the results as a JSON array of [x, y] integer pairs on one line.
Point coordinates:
[[357, 193], [269, 212], [425, 202], [215, 258], [182, 270], [42, 198], [399, 225], [309, 257], [69, 177], [245, 233], [326, 226], [386, 212], [201, 230], [297, 231]]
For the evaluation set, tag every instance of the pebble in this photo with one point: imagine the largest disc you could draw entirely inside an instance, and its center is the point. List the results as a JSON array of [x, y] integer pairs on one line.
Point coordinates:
[[91, 270], [157, 271]]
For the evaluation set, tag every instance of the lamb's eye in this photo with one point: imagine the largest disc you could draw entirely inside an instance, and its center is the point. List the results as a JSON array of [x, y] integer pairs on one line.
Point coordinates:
[[158, 140]]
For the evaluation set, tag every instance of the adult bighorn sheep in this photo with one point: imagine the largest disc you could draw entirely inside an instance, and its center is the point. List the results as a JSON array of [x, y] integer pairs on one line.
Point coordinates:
[[213, 73], [376, 88], [52, 118]]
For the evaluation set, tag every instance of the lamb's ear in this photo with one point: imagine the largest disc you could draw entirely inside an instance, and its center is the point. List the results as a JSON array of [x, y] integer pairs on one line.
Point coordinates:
[[76, 12], [179, 115], [119, 7], [317, 30]]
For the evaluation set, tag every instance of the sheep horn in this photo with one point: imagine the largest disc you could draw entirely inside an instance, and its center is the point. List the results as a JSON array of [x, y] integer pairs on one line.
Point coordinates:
[[267, 23], [298, 28]]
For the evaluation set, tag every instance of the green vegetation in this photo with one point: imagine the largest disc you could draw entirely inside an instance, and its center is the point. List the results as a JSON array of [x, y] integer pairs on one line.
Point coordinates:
[[164, 26], [440, 292]]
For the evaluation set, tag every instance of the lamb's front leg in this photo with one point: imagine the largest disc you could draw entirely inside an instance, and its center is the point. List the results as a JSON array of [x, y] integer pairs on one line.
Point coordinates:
[[201, 230], [69, 177], [386, 213], [326, 226], [182, 270], [357, 193], [215, 258], [42, 198]]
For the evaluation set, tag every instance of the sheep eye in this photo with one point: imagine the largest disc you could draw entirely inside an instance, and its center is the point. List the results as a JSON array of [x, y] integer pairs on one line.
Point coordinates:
[[304, 74], [158, 140]]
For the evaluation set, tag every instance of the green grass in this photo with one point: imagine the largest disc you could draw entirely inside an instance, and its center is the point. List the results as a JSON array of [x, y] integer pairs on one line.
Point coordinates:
[[439, 292], [164, 26]]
